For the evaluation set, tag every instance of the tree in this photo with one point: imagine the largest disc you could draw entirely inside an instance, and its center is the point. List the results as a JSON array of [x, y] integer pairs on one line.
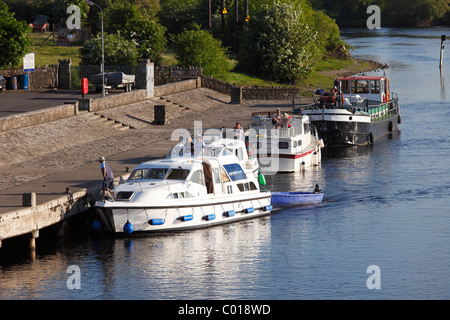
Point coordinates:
[[60, 14], [198, 48], [277, 44], [133, 24], [178, 16], [118, 51], [416, 12], [14, 42]]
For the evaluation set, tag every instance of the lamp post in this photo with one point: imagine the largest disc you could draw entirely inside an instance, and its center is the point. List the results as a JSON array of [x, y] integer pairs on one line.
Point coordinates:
[[90, 3]]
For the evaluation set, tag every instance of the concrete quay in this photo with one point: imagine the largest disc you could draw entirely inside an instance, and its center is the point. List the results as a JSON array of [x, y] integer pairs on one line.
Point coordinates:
[[43, 160]]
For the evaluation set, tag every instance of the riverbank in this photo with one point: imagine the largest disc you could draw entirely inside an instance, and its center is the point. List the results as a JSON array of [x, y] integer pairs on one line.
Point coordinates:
[[331, 68]]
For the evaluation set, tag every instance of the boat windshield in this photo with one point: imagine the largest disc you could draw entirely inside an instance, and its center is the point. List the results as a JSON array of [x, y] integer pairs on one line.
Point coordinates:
[[148, 173], [217, 151]]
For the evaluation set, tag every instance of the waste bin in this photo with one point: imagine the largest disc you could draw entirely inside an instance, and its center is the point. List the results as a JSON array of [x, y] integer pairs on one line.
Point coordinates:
[[23, 81], [11, 83]]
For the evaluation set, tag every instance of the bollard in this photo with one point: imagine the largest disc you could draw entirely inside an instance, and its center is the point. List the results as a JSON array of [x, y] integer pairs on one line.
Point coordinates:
[[29, 199], [160, 114]]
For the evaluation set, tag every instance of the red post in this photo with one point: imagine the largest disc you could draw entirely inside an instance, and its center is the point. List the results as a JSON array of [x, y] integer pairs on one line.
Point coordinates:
[[84, 86]]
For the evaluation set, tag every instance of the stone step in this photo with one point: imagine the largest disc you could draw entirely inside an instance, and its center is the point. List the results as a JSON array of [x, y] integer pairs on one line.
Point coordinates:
[[110, 122]]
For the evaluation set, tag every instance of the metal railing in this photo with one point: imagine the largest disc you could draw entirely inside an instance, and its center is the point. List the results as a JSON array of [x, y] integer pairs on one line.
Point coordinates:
[[377, 110]]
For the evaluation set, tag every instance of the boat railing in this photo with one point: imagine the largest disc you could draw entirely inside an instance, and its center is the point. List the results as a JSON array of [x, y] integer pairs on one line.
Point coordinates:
[[376, 109], [382, 111], [290, 126]]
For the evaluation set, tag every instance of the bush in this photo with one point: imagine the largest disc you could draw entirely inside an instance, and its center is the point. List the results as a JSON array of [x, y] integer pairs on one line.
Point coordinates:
[[277, 44], [118, 51], [14, 42], [198, 48]]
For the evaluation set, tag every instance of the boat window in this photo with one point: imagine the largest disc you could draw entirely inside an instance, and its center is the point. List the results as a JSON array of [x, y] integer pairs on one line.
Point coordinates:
[[306, 127], [246, 186], [224, 175], [345, 86], [178, 174], [283, 145], [138, 174], [374, 86], [239, 154], [361, 86], [156, 173], [216, 175], [235, 171], [294, 144], [197, 177], [124, 195]]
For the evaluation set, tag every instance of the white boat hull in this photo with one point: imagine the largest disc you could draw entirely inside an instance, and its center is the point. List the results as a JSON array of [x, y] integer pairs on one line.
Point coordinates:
[[182, 216], [291, 162]]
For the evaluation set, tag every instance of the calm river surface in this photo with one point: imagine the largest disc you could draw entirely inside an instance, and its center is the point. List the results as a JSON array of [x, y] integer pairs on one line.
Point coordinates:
[[387, 205]]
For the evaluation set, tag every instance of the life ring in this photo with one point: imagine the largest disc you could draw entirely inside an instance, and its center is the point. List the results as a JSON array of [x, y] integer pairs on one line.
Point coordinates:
[[383, 97], [342, 96], [250, 148]]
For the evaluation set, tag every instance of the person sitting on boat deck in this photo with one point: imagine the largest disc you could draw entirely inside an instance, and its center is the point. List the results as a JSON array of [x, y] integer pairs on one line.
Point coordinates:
[[317, 189], [334, 90], [238, 130], [108, 177], [276, 119], [199, 146], [336, 84], [286, 121]]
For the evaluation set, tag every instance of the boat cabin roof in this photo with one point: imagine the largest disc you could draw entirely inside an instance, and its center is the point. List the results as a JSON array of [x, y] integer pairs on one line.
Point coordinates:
[[361, 78]]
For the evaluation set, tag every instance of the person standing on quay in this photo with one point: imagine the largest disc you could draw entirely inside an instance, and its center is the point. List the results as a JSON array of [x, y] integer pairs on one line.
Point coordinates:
[[108, 177]]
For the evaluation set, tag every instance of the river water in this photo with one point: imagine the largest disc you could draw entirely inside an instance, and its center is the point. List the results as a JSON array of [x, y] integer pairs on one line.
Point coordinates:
[[386, 206]]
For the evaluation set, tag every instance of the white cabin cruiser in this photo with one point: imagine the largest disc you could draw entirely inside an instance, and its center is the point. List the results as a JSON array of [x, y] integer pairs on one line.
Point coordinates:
[[291, 147], [179, 193], [231, 139]]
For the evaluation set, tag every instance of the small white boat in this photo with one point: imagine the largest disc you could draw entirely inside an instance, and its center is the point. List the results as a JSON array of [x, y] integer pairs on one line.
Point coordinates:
[[292, 147], [293, 199], [179, 193]]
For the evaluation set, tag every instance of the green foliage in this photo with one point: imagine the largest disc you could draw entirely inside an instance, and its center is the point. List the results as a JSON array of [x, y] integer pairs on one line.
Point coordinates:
[[393, 13], [59, 11], [199, 48], [133, 24], [278, 45], [14, 42], [118, 51], [178, 16], [415, 12]]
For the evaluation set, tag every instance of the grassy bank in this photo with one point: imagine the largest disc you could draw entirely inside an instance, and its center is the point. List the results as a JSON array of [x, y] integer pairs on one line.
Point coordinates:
[[47, 52], [322, 76]]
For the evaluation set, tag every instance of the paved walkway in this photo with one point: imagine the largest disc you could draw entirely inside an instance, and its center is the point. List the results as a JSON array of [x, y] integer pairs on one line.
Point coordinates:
[[49, 158], [20, 101]]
